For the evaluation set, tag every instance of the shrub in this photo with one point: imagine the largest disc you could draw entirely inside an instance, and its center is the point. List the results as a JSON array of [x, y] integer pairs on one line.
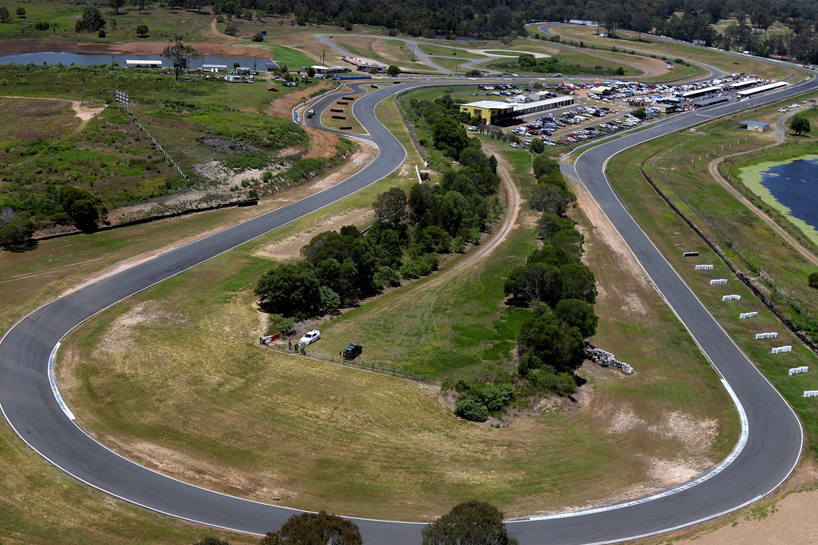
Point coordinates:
[[813, 280], [280, 324], [470, 408], [546, 379], [257, 37], [231, 30], [101, 33], [142, 31], [387, 275]]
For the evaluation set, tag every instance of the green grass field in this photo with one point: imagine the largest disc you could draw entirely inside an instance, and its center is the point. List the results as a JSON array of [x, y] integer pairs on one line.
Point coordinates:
[[364, 439], [751, 245]]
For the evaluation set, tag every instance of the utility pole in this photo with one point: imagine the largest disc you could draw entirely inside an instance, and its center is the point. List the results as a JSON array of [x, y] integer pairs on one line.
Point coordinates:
[[323, 56], [412, 48]]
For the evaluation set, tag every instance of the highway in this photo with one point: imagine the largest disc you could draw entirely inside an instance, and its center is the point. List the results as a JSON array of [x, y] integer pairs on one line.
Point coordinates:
[[34, 412]]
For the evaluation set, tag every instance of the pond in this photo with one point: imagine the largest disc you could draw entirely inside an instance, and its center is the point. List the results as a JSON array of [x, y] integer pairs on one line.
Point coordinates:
[[791, 187], [88, 59]]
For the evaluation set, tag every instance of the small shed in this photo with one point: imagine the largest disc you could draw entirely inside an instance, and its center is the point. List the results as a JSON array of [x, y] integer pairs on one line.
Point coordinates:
[[757, 126]]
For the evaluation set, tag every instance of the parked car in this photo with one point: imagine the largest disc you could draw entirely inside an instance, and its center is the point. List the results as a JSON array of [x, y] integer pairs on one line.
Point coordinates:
[[310, 337], [472, 128], [353, 351], [272, 89]]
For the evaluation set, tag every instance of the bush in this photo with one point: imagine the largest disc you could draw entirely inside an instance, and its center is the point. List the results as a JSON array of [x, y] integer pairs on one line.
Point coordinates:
[[142, 31], [471, 409], [280, 324], [101, 33], [14, 230], [387, 275], [546, 379], [813, 280], [496, 396], [231, 30], [257, 37]]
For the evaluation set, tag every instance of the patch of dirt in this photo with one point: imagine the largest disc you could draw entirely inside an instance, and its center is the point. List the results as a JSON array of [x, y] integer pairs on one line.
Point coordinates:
[[673, 472], [606, 233], [290, 248], [283, 106], [82, 111], [696, 435], [322, 143], [118, 338], [624, 421]]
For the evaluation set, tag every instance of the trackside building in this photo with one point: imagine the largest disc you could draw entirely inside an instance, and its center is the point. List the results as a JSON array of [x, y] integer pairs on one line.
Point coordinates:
[[501, 113]]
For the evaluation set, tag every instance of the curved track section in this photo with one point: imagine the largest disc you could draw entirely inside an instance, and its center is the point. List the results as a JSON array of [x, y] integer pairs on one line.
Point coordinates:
[[33, 411]]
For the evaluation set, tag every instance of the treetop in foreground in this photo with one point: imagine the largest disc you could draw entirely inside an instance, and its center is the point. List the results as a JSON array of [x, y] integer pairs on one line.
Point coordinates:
[[470, 523]]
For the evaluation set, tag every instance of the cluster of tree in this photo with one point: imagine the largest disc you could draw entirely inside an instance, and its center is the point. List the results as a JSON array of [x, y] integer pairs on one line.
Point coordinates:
[[560, 287], [409, 234], [15, 229], [478, 398], [444, 121], [64, 205], [470, 523], [529, 63]]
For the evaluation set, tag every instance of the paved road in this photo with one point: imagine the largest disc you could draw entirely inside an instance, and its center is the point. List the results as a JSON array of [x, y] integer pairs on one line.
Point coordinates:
[[33, 411], [421, 55]]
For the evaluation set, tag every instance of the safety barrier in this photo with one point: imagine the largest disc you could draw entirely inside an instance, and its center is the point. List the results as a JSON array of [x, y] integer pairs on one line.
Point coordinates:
[[690, 254], [798, 370], [745, 315], [605, 359], [731, 298], [781, 349], [811, 393], [703, 268], [718, 282], [770, 335]]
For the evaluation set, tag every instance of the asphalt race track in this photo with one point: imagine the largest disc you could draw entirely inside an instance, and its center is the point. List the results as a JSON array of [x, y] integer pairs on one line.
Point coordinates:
[[31, 408]]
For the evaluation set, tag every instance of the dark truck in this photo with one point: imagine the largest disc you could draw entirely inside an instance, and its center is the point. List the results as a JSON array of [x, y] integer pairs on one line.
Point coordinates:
[[352, 351]]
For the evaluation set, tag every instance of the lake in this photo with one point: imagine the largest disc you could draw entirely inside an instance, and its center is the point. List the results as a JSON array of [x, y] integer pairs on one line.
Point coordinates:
[[86, 59], [791, 187]]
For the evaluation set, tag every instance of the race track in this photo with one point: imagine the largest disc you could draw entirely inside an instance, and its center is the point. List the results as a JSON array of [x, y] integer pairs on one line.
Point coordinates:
[[31, 408]]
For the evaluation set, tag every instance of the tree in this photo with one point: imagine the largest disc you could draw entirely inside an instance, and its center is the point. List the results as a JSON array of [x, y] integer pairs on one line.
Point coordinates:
[[577, 313], [470, 523], [91, 21], [140, 4], [290, 290], [554, 342], [14, 230], [21, 12], [493, 164], [390, 207], [315, 529], [142, 31], [80, 207], [210, 540], [640, 113], [799, 125], [179, 54], [578, 283], [5, 16], [537, 146], [116, 4], [330, 301], [813, 280], [613, 18], [471, 409], [640, 22], [393, 71], [310, 71]]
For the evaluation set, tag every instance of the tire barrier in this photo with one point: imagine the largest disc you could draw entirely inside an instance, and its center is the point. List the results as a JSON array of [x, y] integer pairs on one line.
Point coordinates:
[[703, 268], [346, 128], [606, 359], [349, 98], [690, 254], [731, 298], [798, 370], [781, 349], [718, 282], [342, 103], [746, 315], [770, 335], [337, 110], [339, 117]]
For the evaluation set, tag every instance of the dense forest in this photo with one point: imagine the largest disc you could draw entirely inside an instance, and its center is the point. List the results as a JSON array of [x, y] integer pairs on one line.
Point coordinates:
[[682, 19]]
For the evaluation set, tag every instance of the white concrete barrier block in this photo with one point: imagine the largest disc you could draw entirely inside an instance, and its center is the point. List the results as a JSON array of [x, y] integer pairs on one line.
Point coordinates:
[[703, 268], [745, 315], [781, 349], [798, 370], [769, 335], [731, 298], [811, 393], [718, 282]]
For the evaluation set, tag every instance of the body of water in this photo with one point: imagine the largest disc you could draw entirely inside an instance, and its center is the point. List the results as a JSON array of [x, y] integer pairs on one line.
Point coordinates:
[[86, 59], [795, 185]]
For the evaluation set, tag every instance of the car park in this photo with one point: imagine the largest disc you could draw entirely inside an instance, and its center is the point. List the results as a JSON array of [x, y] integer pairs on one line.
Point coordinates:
[[310, 337]]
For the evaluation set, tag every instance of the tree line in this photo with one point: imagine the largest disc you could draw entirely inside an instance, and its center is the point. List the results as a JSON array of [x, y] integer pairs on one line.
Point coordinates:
[[409, 234], [469, 523], [560, 291]]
